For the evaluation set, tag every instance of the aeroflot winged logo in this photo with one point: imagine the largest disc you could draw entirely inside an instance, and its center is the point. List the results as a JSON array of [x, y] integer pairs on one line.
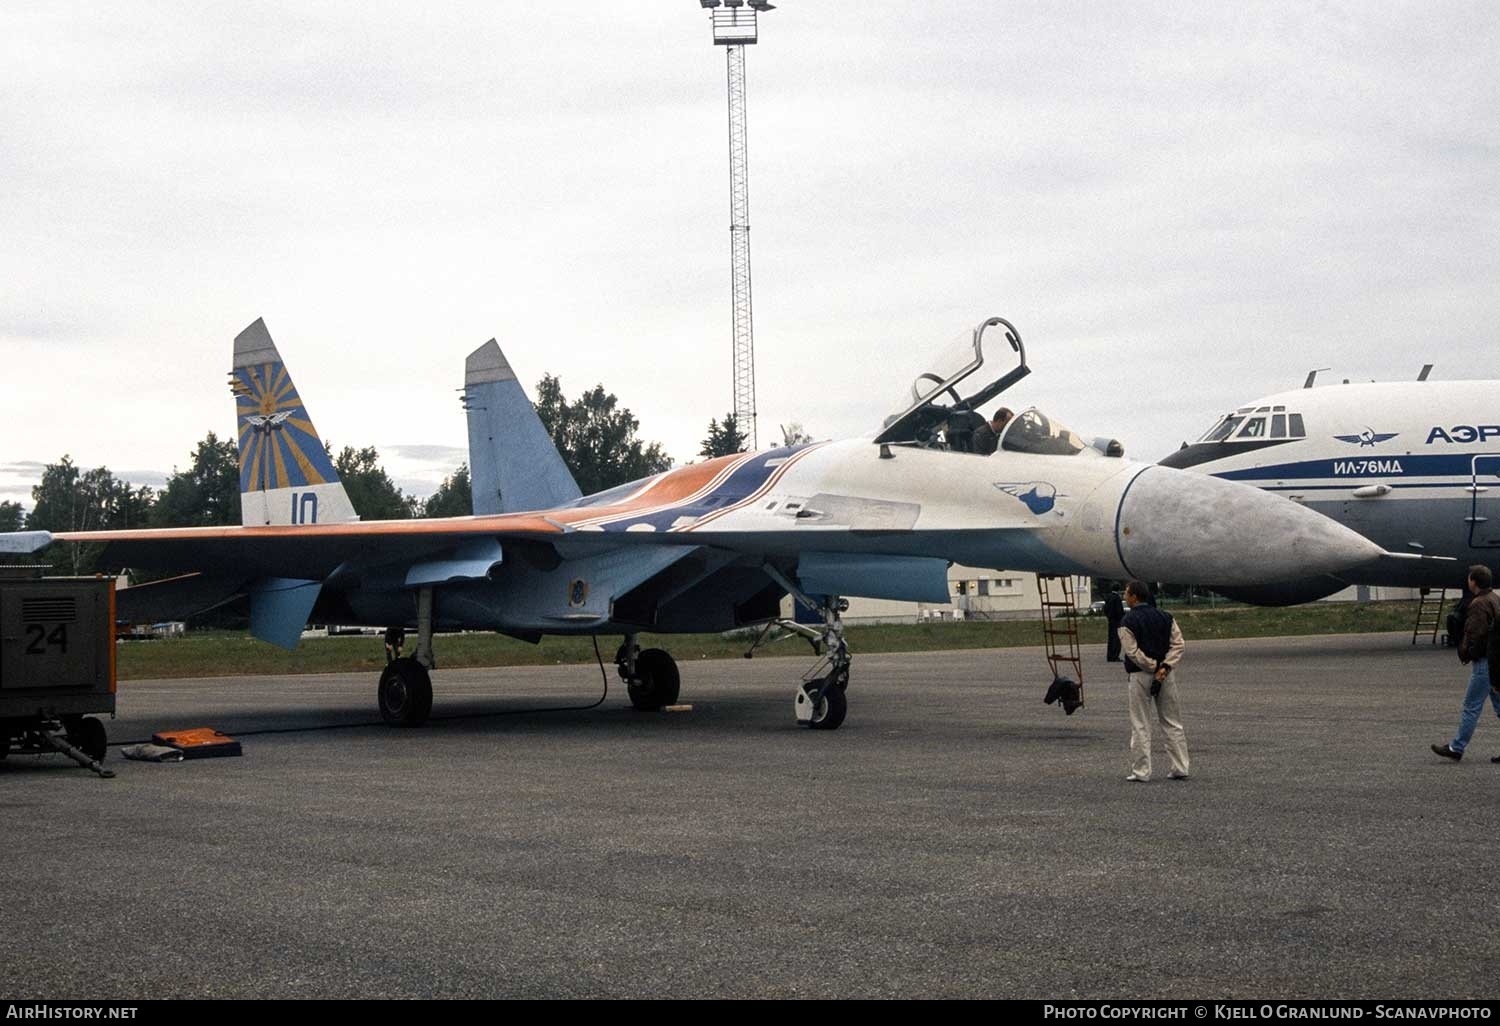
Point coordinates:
[[1038, 496], [1366, 438]]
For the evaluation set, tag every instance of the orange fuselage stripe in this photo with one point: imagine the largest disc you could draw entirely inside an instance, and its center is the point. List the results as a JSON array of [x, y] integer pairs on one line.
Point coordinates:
[[666, 489]]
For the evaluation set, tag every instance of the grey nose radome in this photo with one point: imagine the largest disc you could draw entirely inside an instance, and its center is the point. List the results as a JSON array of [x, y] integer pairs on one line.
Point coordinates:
[[1195, 529]]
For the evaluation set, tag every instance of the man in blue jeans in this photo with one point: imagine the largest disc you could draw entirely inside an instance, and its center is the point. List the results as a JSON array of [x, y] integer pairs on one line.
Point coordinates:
[[1484, 611]]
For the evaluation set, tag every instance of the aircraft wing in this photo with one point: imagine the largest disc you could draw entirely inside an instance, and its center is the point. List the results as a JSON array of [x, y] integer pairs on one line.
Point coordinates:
[[310, 551], [645, 512]]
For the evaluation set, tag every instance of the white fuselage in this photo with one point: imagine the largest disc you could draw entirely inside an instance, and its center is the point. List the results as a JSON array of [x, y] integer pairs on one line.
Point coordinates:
[[1084, 513], [1413, 466]]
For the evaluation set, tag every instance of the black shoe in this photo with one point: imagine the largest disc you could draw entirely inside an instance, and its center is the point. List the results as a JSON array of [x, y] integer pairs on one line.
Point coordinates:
[[1446, 752], [1495, 758]]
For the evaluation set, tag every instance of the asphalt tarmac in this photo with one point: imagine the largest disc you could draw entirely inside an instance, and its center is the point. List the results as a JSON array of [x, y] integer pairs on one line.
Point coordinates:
[[956, 837]]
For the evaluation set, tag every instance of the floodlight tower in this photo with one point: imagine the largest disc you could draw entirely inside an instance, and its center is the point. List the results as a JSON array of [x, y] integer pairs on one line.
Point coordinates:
[[734, 25]]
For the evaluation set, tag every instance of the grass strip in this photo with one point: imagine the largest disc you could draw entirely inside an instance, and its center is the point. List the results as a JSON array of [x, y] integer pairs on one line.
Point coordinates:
[[222, 653]]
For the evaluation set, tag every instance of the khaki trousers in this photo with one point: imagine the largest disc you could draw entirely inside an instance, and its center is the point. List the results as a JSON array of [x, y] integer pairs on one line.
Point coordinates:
[[1168, 714]]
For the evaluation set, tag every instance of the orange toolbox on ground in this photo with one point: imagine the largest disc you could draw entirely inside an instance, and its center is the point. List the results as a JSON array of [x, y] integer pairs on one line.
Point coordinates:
[[198, 742]]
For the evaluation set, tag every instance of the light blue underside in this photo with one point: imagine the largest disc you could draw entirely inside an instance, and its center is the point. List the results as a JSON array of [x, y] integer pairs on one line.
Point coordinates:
[[903, 578], [279, 608], [24, 542]]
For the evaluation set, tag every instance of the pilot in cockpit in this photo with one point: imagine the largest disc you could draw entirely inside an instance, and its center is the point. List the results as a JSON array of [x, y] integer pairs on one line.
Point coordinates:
[[987, 436]]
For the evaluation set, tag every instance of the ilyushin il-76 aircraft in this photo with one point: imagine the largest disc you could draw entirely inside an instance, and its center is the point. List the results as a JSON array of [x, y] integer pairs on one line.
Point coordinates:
[[1414, 466], [706, 547]]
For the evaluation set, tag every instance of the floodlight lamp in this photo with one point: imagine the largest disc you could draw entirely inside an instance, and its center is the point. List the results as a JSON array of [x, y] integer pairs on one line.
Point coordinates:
[[708, 5]]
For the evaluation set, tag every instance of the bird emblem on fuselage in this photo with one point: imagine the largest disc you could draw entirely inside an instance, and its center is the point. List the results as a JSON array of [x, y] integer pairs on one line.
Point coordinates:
[[1037, 496]]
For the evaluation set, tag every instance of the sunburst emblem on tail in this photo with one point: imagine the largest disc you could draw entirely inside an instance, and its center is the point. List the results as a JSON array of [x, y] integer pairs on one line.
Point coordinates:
[[1038, 496], [286, 475], [278, 443]]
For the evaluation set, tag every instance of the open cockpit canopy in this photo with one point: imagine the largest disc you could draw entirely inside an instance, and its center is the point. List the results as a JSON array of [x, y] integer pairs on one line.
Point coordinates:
[[940, 389]]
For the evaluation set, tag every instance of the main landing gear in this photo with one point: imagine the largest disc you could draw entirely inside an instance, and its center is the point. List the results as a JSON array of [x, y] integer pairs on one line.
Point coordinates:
[[651, 677], [405, 693]]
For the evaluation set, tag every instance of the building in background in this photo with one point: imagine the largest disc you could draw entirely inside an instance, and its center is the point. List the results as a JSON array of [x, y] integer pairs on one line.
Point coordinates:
[[973, 594]]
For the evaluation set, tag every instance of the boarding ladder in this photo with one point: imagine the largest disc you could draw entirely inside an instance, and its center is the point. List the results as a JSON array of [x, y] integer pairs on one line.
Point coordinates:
[[1429, 615], [1060, 624]]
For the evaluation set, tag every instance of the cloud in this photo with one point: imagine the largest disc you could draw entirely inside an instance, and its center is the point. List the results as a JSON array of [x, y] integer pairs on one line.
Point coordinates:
[[421, 487], [438, 453], [153, 478], [1219, 196]]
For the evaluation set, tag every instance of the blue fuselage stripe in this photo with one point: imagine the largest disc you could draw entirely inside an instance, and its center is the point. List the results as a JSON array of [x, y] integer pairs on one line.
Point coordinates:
[[1451, 465], [1353, 483], [742, 482]]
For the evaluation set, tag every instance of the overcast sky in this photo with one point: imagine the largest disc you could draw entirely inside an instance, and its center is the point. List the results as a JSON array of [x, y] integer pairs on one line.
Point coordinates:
[[1181, 206]]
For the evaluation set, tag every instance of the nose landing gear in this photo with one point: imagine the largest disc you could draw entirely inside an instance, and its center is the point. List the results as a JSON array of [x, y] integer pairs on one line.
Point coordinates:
[[820, 702]]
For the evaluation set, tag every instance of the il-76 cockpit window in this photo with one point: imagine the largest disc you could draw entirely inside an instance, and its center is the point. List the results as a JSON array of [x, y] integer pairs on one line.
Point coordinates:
[[1253, 423], [1223, 429]]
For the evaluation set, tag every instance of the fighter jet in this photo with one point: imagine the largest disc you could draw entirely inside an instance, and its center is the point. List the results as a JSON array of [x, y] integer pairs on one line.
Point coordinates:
[[1414, 466], [706, 547]]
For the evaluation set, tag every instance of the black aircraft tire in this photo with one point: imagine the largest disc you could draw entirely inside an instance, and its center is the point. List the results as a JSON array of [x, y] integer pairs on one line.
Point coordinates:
[[426, 697], [657, 682], [88, 735], [405, 694], [831, 711]]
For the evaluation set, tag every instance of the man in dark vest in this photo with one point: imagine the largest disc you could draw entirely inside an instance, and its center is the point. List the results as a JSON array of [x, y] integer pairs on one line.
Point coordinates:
[[1152, 646], [1473, 648], [1114, 612]]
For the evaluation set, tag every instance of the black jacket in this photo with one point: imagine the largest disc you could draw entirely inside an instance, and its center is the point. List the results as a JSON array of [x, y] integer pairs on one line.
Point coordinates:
[[1153, 633], [1483, 612]]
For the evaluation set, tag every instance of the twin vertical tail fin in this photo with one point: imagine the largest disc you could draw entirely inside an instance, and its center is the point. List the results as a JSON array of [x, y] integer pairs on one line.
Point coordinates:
[[513, 465], [286, 476]]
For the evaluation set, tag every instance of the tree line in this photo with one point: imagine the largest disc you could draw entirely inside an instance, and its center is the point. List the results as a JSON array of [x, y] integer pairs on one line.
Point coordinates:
[[596, 436]]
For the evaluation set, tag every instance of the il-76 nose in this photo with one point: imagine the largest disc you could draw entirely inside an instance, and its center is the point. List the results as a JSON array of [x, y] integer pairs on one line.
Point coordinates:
[[1192, 528]]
